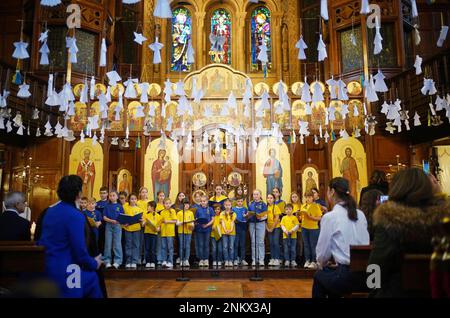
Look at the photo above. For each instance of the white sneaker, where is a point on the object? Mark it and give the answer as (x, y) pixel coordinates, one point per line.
(164, 264)
(270, 262)
(200, 263)
(133, 266)
(177, 261)
(312, 265)
(236, 263)
(116, 266)
(186, 263)
(147, 265)
(219, 263)
(307, 263)
(286, 263)
(169, 265)
(294, 263)
(214, 263)
(207, 263)
(276, 262)
(244, 263)
(261, 263)
(128, 266)
(152, 265)
(108, 265)
(229, 264)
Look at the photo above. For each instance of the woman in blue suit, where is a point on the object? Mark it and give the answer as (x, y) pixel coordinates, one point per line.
(67, 259)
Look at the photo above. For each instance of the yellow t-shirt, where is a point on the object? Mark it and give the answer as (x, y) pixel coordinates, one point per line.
(159, 207)
(215, 225)
(188, 216)
(281, 205)
(312, 209)
(296, 207)
(272, 211)
(155, 219)
(168, 229)
(132, 211)
(142, 204)
(228, 221)
(289, 222)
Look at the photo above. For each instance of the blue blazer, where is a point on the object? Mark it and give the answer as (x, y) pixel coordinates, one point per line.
(63, 237)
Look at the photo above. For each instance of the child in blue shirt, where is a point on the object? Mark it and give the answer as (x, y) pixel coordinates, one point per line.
(204, 214)
(94, 216)
(241, 231)
(113, 231)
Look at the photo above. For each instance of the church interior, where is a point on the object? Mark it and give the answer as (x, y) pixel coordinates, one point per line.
(188, 96)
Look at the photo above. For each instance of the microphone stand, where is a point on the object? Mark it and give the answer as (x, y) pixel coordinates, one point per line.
(256, 278)
(183, 252)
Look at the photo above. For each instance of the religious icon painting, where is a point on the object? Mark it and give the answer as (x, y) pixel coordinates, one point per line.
(154, 90)
(124, 181)
(261, 87)
(197, 194)
(354, 88)
(221, 27)
(134, 123)
(79, 120)
(99, 89)
(199, 179)
(77, 90)
(181, 34)
(115, 125)
(296, 88)
(260, 34)
(276, 87)
(310, 179)
(115, 90)
(234, 179)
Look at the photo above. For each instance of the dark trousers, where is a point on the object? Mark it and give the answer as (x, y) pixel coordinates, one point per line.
(150, 247)
(332, 282)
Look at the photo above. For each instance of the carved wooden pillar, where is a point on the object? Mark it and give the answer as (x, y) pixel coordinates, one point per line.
(202, 45)
(242, 59)
(147, 71)
(276, 42)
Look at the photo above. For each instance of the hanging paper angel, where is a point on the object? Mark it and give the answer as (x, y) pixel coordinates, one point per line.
(156, 48)
(130, 91)
(384, 108)
(8, 126)
(48, 129)
(262, 56)
(71, 44)
(324, 9)
(370, 92)
(162, 9)
(414, 11)
(92, 88)
(303, 128)
(24, 91)
(322, 49)
(20, 51)
(342, 90)
(301, 46)
(248, 94)
(365, 8)
(306, 93)
(35, 114)
(344, 110)
(344, 134)
(103, 51)
(331, 112)
(442, 36)
(231, 102)
(440, 103)
(4, 98)
(50, 3)
(317, 92)
(179, 88)
(417, 119)
(167, 90)
(418, 65)
(113, 78)
(308, 109)
(378, 40)
(144, 92)
(380, 85)
(417, 38)
(139, 38)
(332, 87)
(45, 51)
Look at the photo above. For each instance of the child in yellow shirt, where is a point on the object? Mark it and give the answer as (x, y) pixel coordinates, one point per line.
(132, 234)
(227, 218)
(152, 223)
(296, 208)
(185, 225)
(289, 225)
(216, 237)
(278, 201)
(168, 221)
(273, 230)
(311, 215)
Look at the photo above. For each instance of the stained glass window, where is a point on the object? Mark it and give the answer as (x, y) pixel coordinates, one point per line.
(351, 50)
(181, 34)
(221, 26)
(260, 31)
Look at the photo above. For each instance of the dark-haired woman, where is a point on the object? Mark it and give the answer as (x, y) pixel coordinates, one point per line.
(67, 260)
(368, 203)
(343, 226)
(405, 225)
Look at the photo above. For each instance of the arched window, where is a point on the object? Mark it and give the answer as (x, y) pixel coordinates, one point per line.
(221, 26)
(260, 31)
(181, 34)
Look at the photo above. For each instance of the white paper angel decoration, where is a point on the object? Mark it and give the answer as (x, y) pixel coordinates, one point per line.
(442, 36)
(306, 93)
(342, 90)
(365, 8)
(414, 11)
(167, 90)
(324, 9)
(50, 3)
(92, 88)
(113, 78)
(231, 102)
(332, 87)
(262, 55)
(162, 9)
(380, 85)
(190, 53)
(71, 44)
(370, 93)
(139, 38)
(179, 88)
(156, 48)
(144, 92)
(418, 65)
(103, 51)
(317, 92)
(303, 128)
(8, 126)
(265, 104)
(344, 110)
(322, 49)
(378, 40)
(20, 51)
(24, 91)
(130, 91)
(45, 51)
(301, 46)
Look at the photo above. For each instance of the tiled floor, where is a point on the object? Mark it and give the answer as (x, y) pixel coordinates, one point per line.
(145, 288)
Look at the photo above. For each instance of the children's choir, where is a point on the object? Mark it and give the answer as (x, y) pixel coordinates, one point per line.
(219, 227)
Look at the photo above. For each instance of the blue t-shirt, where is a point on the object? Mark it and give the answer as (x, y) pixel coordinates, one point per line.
(240, 211)
(258, 207)
(112, 210)
(206, 215)
(101, 206)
